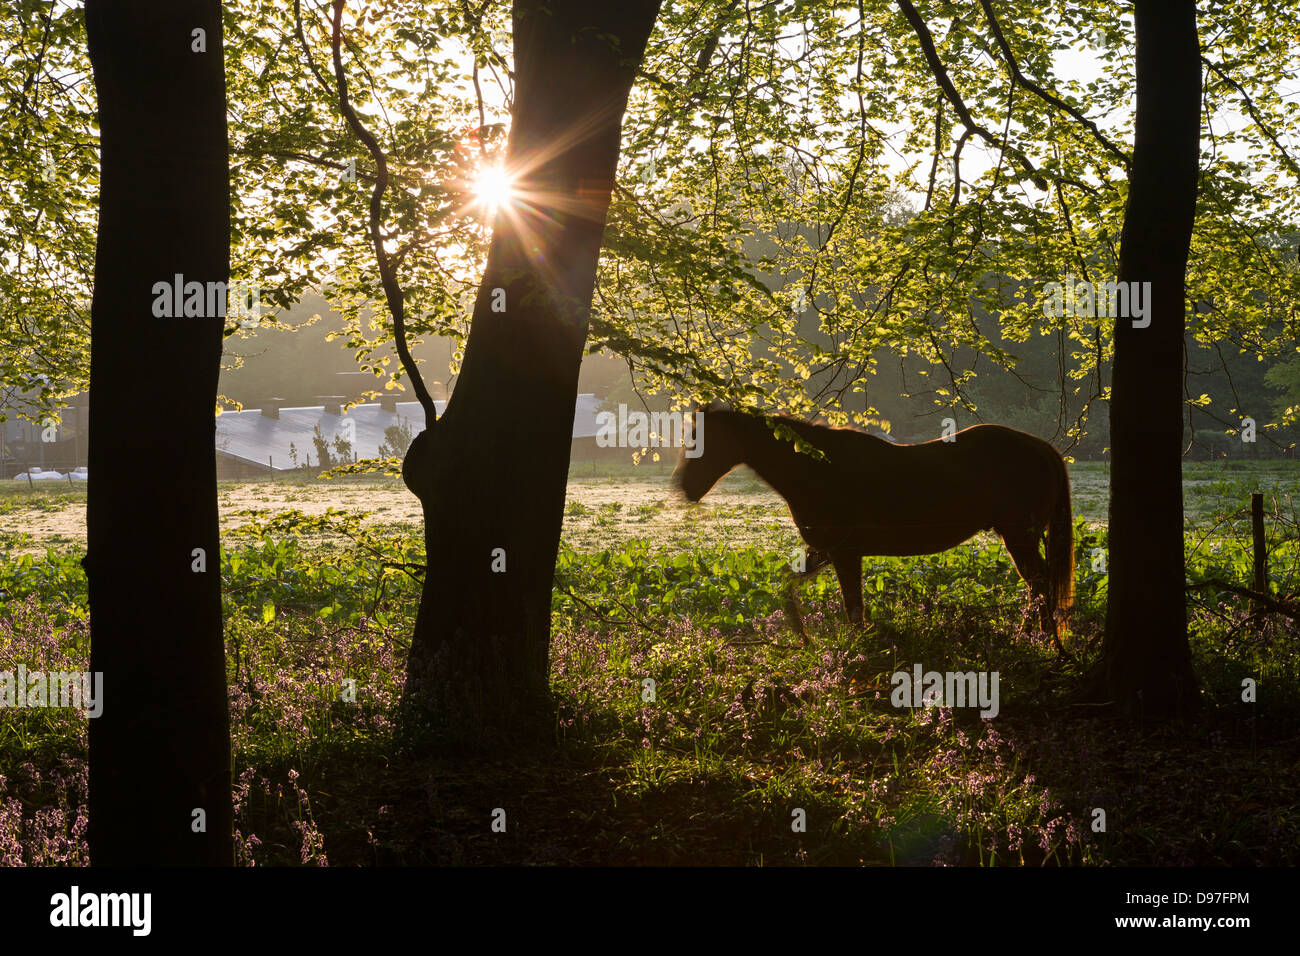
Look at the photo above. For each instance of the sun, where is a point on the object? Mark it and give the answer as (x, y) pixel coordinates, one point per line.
(493, 188)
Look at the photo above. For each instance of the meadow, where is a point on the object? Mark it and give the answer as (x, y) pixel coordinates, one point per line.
(748, 732)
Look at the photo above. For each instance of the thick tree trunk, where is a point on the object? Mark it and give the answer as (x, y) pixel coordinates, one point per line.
(491, 473)
(1146, 665)
(160, 751)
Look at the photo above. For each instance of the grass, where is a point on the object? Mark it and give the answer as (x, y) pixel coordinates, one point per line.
(621, 501)
(744, 735)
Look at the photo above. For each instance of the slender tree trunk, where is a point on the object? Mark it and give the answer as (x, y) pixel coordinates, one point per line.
(1146, 665)
(160, 751)
(491, 473)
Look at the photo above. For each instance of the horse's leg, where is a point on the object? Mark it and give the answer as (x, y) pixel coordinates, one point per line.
(1023, 547)
(848, 568)
(816, 560)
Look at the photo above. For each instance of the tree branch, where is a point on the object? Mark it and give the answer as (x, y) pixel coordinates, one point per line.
(1271, 603)
(387, 274)
(1046, 95)
(1254, 113)
(945, 83)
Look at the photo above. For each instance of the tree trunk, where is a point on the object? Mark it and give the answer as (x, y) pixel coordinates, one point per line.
(160, 751)
(1145, 666)
(491, 473)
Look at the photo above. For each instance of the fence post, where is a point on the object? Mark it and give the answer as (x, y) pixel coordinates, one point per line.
(1257, 532)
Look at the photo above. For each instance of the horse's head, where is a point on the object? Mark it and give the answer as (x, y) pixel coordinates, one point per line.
(715, 452)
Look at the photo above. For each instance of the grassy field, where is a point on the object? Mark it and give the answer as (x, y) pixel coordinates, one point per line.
(619, 504)
(746, 727)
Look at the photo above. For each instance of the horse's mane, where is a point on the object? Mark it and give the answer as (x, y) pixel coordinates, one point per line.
(829, 438)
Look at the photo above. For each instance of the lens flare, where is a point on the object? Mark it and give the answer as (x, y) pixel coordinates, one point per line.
(493, 188)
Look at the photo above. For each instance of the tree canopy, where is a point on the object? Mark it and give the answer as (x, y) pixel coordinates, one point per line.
(808, 192)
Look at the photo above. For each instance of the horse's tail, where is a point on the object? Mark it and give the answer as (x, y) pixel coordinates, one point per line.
(1060, 543)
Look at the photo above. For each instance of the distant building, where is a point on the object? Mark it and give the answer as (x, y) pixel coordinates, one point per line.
(53, 447)
(266, 440)
(257, 441)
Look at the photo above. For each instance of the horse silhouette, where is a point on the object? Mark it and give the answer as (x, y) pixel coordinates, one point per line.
(862, 495)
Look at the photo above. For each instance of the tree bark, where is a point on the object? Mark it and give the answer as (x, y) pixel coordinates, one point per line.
(1145, 667)
(161, 748)
(491, 473)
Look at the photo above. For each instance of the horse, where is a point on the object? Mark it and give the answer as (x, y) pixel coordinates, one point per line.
(863, 495)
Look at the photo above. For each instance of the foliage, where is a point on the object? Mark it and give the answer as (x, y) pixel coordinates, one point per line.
(49, 151)
(802, 220)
